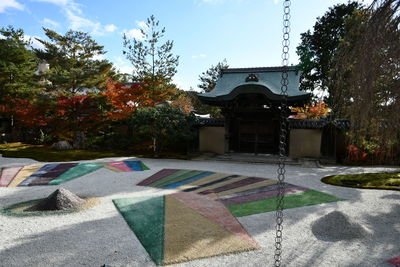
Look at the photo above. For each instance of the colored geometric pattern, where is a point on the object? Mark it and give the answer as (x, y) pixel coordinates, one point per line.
(242, 195)
(199, 221)
(394, 261)
(184, 226)
(58, 173)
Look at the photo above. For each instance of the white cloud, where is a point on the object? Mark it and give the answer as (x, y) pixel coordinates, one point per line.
(122, 65)
(125, 69)
(199, 56)
(180, 83)
(80, 23)
(65, 4)
(141, 24)
(50, 22)
(99, 57)
(56, 2)
(110, 28)
(76, 19)
(7, 4)
(35, 43)
(134, 33)
(121, 61)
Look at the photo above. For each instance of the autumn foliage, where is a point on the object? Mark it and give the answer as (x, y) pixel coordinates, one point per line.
(61, 114)
(314, 111)
(28, 113)
(126, 98)
(122, 98)
(73, 113)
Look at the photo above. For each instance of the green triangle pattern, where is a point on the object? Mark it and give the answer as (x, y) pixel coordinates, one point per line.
(75, 172)
(145, 217)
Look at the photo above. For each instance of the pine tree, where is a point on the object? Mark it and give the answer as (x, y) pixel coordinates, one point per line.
(73, 80)
(73, 64)
(151, 59)
(17, 65)
(209, 79)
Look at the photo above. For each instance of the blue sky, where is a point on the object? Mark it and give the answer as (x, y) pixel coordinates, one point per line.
(247, 33)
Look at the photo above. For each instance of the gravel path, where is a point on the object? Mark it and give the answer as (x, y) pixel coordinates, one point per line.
(100, 235)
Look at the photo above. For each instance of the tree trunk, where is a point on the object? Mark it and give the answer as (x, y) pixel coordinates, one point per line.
(79, 140)
(155, 148)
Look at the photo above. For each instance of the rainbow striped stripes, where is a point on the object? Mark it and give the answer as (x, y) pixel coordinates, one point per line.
(58, 173)
(199, 220)
(242, 195)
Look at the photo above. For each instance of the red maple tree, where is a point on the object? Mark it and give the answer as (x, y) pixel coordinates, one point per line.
(125, 98)
(27, 113)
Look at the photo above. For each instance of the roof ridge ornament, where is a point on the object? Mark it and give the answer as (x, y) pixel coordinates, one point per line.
(252, 78)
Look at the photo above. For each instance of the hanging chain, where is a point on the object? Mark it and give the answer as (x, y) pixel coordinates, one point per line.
(283, 135)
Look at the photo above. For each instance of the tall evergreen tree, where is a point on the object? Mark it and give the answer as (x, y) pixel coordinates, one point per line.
(73, 80)
(151, 59)
(18, 65)
(73, 64)
(318, 47)
(208, 79)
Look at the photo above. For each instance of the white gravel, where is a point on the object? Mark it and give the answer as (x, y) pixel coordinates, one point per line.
(100, 235)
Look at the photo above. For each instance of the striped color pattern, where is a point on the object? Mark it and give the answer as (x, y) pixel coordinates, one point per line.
(58, 173)
(184, 226)
(242, 195)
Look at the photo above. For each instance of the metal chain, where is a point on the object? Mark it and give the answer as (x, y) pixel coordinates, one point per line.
(283, 134)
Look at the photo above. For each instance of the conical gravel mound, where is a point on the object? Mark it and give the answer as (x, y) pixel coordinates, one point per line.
(61, 199)
(337, 226)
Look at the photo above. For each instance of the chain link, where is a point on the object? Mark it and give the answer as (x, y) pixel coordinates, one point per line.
(283, 135)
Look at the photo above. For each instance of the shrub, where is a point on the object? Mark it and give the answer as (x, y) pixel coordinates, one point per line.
(167, 127)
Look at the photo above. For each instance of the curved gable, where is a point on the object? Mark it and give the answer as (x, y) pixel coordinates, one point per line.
(265, 81)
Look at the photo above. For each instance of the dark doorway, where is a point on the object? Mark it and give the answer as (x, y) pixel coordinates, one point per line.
(254, 133)
(257, 137)
(253, 123)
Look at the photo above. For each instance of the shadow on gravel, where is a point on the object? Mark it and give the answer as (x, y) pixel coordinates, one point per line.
(392, 196)
(373, 249)
(90, 243)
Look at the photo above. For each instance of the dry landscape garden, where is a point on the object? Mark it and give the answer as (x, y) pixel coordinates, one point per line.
(264, 166)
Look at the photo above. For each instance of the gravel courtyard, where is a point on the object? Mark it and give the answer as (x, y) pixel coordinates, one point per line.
(100, 235)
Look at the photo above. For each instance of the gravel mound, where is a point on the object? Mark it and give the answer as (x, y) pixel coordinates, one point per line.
(337, 226)
(61, 199)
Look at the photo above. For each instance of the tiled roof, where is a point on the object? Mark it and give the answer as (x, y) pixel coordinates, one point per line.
(318, 124)
(259, 69)
(265, 80)
(210, 121)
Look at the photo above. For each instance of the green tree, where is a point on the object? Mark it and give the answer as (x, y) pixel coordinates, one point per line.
(150, 58)
(209, 78)
(75, 77)
(201, 108)
(73, 64)
(365, 78)
(18, 65)
(165, 126)
(317, 48)
(19, 92)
